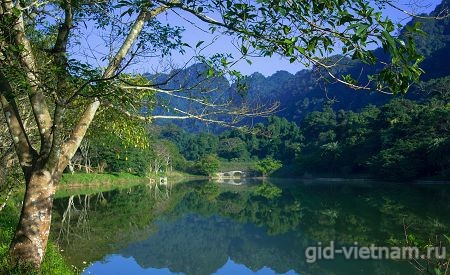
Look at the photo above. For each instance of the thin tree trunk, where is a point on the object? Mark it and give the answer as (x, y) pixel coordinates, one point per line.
(32, 233)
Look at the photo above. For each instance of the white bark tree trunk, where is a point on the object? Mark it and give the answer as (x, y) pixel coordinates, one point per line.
(32, 233)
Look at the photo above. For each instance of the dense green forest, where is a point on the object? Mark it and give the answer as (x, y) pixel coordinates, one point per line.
(400, 140)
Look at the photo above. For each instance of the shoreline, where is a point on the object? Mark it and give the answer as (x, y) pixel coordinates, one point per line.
(95, 180)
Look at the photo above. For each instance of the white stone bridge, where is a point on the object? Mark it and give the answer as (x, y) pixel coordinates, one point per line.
(230, 175)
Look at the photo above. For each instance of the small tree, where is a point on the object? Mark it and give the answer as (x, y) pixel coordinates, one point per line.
(207, 165)
(268, 165)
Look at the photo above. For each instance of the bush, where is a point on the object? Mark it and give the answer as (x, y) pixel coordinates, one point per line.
(268, 165)
(207, 165)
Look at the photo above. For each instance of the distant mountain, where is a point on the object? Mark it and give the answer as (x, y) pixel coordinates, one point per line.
(190, 82)
(304, 91)
(435, 45)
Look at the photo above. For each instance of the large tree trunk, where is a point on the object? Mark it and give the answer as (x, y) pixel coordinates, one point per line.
(32, 232)
(30, 240)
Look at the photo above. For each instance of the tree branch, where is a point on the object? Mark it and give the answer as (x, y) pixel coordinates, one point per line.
(77, 135)
(143, 17)
(28, 61)
(71, 145)
(24, 150)
(442, 14)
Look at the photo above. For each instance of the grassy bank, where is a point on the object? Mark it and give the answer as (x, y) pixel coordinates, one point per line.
(83, 179)
(53, 261)
(82, 183)
(177, 176)
(94, 178)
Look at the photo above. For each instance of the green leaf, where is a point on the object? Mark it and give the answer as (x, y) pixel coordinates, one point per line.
(362, 30)
(244, 50)
(199, 44)
(447, 237)
(210, 72)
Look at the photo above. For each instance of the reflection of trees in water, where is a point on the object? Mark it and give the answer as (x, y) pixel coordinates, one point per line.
(161, 191)
(81, 215)
(196, 244)
(342, 213)
(87, 227)
(246, 224)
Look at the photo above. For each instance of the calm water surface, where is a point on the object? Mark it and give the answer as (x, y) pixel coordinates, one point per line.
(257, 228)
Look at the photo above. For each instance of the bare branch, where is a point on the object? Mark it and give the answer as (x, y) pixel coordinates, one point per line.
(143, 17)
(174, 94)
(442, 14)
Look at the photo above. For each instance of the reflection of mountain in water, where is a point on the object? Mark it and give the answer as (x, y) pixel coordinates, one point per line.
(201, 245)
(196, 244)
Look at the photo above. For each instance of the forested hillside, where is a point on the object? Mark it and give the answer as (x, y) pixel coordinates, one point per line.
(308, 90)
(325, 128)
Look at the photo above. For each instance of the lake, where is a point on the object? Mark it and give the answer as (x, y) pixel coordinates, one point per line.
(251, 228)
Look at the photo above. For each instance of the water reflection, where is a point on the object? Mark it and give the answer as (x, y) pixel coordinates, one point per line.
(79, 213)
(205, 227)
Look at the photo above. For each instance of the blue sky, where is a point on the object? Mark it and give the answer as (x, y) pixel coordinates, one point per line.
(223, 44)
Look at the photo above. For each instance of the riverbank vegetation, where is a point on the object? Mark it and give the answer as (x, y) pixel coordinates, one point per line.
(100, 179)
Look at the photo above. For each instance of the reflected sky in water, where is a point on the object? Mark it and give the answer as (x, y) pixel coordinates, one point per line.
(205, 228)
(116, 264)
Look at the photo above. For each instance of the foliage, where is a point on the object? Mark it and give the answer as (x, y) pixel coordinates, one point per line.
(207, 165)
(399, 140)
(233, 148)
(108, 152)
(118, 156)
(268, 191)
(268, 165)
(279, 138)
